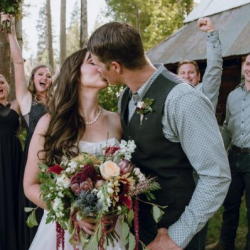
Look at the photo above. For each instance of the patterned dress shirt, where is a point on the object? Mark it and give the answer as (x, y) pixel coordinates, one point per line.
(211, 79)
(236, 128)
(189, 119)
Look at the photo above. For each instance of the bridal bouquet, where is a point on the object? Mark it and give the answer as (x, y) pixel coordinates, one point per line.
(13, 7)
(97, 188)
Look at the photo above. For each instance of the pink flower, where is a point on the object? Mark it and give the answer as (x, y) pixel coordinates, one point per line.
(125, 166)
(56, 169)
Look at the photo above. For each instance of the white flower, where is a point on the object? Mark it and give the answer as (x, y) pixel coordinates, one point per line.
(110, 190)
(63, 181)
(58, 207)
(60, 194)
(137, 171)
(142, 177)
(73, 164)
(141, 105)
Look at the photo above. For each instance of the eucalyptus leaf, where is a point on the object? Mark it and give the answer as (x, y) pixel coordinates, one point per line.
(42, 166)
(130, 217)
(31, 220)
(124, 232)
(29, 209)
(157, 213)
(131, 242)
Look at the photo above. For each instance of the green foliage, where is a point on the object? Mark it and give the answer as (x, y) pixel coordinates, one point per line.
(108, 98)
(22, 136)
(11, 7)
(31, 220)
(154, 19)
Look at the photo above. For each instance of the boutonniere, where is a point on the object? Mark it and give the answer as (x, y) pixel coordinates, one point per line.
(144, 107)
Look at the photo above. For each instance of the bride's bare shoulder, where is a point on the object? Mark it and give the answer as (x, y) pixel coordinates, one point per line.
(114, 122)
(112, 117)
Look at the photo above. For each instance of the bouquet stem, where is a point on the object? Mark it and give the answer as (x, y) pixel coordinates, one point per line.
(136, 223)
(59, 236)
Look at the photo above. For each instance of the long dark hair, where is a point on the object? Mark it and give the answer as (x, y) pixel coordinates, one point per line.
(66, 125)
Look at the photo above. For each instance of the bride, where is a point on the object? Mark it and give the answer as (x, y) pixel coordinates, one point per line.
(74, 123)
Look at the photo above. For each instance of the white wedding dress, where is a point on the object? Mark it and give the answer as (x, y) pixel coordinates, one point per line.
(45, 238)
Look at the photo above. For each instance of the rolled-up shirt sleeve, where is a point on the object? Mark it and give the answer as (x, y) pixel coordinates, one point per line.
(211, 80)
(189, 120)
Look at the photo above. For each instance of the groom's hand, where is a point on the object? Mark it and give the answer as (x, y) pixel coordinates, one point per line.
(163, 242)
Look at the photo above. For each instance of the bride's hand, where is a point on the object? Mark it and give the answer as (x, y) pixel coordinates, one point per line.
(88, 225)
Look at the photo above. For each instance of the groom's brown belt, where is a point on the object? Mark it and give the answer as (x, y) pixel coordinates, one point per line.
(241, 150)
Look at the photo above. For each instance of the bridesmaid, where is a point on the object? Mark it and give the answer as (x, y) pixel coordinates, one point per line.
(32, 101)
(10, 164)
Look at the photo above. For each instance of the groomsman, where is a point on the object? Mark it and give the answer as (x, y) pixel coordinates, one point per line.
(178, 136)
(211, 80)
(236, 137)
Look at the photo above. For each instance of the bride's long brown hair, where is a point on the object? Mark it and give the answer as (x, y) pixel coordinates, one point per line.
(66, 125)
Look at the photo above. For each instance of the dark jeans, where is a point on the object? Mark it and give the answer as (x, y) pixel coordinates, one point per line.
(199, 240)
(240, 171)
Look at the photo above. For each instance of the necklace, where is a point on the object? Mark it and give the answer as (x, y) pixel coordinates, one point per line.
(96, 118)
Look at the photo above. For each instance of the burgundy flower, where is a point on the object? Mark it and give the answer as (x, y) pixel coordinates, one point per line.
(126, 200)
(56, 169)
(88, 171)
(111, 150)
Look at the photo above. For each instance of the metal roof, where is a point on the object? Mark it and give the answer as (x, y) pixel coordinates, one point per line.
(211, 7)
(189, 43)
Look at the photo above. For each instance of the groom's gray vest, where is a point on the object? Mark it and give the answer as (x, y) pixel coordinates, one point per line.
(157, 156)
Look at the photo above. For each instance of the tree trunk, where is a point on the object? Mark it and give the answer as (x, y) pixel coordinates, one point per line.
(49, 36)
(63, 32)
(19, 36)
(84, 24)
(5, 65)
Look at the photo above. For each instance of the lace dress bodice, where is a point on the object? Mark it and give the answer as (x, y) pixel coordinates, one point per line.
(96, 148)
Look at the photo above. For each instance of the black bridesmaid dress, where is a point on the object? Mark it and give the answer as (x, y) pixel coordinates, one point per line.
(27, 234)
(10, 165)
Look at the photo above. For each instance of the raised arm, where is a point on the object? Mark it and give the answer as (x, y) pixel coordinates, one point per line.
(211, 80)
(23, 96)
(30, 182)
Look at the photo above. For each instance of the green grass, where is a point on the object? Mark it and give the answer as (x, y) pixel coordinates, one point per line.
(215, 223)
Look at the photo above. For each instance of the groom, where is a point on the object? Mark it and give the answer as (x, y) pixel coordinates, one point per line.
(179, 134)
